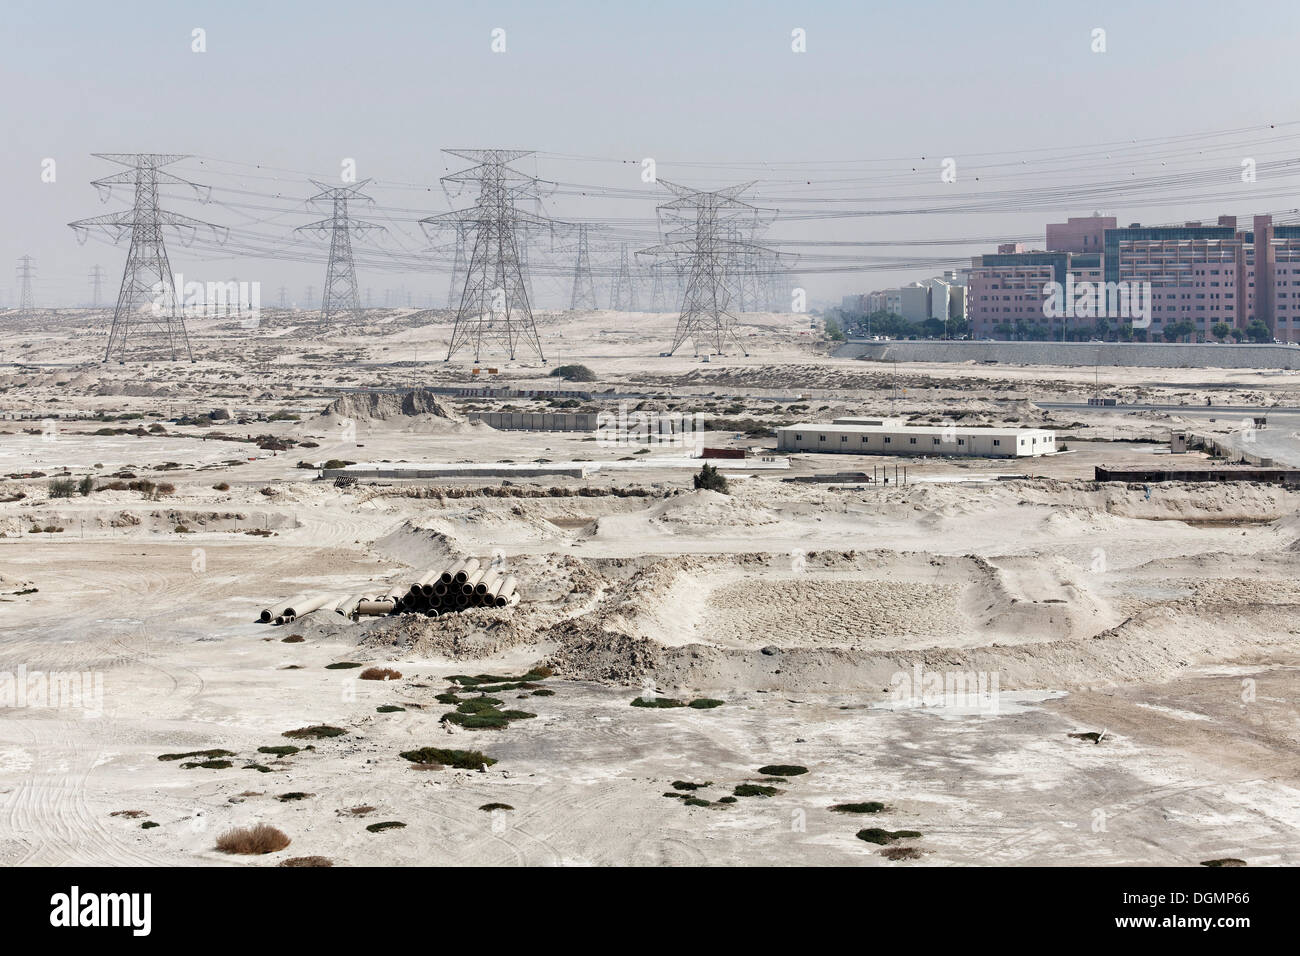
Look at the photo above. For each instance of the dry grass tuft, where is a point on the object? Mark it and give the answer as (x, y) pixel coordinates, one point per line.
(307, 861)
(261, 838)
(380, 673)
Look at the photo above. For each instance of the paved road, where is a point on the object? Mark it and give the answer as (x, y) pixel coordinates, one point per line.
(1279, 439)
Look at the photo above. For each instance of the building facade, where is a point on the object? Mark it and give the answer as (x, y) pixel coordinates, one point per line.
(1209, 276)
(915, 440)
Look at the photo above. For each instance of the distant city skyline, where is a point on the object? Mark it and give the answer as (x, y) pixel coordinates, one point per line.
(968, 126)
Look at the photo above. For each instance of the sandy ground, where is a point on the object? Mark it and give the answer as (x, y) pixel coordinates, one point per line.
(1163, 618)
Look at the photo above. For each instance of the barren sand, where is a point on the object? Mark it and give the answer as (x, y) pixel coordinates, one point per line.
(1163, 618)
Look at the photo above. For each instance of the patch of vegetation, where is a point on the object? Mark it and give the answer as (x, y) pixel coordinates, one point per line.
(293, 639)
(727, 800)
(223, 486)
(380, 673)
(207, 764)
(573, 373)
(259, 839)
(284, 750)
(901, 853)
(871, 806)
(543, 692)
(1225, 861)
(1091, 737)
(883, 837)
(206, 754)
(129, 814)
(537, 673)
(705, 703)
(149, 825)
(341, 666)
(489, 807)
(460, 759)
(696, 802)
(337, 463)
(656, 702)
(710, 479)
(389, 709)
(317, 732)
(62, 487)
(782, 770)
(306, 861)
(294, 795)
(687, 785)
(386, 825)
(260, 768)
(754, 790)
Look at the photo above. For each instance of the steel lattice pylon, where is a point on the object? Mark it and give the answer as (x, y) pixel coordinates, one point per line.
(340, 297)
(493, 305)
(584, 287)
(622, 297)
(703, 244)
(26, 272)
(147, 277)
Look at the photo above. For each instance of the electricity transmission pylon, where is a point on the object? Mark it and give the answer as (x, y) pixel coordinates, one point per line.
(584, 287)
(96, 278)
(26, 272)
(147, 306)
(622, 297)
(658, 302)
(458, 266)
(493, 305)
(340, 298)
(702, 240)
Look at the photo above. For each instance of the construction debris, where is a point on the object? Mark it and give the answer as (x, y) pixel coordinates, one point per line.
(462, 585)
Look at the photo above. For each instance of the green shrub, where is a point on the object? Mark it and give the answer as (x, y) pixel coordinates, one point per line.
(281, 751)
(386, 825)
(753, 790)
(882, 837)
(489, 807)
(705, 703)
(389, 709)
(460, 759)
(573, 373)
(782, 770)
(871, 806)
(62, 487)
(205, 754)
(710, 479)
(656, 702)
(315, 732)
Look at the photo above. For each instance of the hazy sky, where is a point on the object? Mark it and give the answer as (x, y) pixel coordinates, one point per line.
(300, 86)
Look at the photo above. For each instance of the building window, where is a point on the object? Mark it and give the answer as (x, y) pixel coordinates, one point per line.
(886, 439)
(798, 437)
(997, 442)
(844, 438)
(821, 437)
(961, 441)
(911, 441)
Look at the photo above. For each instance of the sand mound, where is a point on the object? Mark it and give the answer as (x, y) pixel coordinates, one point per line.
(386, 406)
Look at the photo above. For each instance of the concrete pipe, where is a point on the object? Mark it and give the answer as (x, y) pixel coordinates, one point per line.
(348, 606)
(471, 582)
(440, 589)
(307, 606)
(471, 565)
(287, 607)
(508, 587)
(488, 583)
(462, 600)
(376, 607)
(450, 574)
(393, 593)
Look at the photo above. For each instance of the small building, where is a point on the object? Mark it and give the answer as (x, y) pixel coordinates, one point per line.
(916, 440)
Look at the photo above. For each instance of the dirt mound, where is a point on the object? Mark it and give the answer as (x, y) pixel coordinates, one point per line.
(386, 406)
